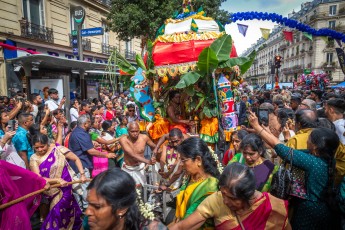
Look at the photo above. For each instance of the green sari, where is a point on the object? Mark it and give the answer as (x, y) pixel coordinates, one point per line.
(119, 153)
(191, 195)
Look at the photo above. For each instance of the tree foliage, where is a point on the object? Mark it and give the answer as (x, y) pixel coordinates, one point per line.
(141, 19)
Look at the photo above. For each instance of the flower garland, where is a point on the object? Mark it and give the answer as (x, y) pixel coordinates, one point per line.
(215, 157)
(145, 209)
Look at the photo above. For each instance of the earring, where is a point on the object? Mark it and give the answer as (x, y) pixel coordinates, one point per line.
(120, 216)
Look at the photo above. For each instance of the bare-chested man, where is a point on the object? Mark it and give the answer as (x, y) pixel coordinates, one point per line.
(174, 112)
(133, 147)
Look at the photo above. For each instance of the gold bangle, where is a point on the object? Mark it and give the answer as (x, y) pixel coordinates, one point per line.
(261, 131)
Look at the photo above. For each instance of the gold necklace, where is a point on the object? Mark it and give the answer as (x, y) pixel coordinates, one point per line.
(258, 162)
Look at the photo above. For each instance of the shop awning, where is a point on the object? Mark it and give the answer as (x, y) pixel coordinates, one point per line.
(51, 62)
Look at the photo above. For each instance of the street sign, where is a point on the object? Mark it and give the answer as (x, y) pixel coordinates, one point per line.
(79, 14)
(75, 42)
(92, 31)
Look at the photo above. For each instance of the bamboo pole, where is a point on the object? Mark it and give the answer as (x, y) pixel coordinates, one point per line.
(20, 199)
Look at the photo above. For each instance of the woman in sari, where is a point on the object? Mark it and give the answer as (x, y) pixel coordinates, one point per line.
(16, 182)
(238, 205)
(202, 177)
(253, 150)
(234, 151)
(313, 212)
(120, 131)
(49, 161)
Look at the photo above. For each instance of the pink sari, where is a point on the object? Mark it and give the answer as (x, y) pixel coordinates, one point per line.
(14, 183)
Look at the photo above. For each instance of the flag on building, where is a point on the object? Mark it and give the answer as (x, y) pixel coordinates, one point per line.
(339, 42)
(341, 58)
(307, 35)
(194, 26)
(242, 29)
(265, 33)
(288, 35)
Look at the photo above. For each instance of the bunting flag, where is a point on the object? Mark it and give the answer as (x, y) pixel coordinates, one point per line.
(307, 35)
(220, 25)
(339, 43)
(288, 35)
(194, 26)
(324, 38)
(242, 29)
(265, 33)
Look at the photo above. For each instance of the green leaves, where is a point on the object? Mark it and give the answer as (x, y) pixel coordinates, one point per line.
(140, 62)
(207, 61)
(247, 64)
(222, 48)
(243, 62)
(122, 63)
(188, 79)
(210, 112)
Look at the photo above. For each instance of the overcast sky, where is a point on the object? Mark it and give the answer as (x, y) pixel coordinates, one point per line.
(283, 7)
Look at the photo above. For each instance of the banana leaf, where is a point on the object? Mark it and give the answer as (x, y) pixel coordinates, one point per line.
(243, 62)
(207, 61)
(188, 79)
(140, 62)
(222, 48)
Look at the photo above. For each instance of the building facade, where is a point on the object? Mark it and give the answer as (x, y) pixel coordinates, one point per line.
(313, 54)
(44, 26)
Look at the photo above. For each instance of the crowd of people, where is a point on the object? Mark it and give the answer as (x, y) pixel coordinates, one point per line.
(101, 144)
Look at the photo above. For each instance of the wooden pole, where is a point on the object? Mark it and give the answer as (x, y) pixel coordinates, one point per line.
(20, 199)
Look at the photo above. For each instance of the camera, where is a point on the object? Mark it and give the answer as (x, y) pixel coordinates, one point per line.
(12, 125)
(263, 116)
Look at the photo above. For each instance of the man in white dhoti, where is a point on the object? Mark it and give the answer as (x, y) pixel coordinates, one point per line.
(133, 147)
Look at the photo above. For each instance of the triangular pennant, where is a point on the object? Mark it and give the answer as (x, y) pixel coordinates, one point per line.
(220, 25)
(265, 33)
(288, 35)
(324, 38)
(307, 35)
(160, 31)
(242, 29)
(194, 26)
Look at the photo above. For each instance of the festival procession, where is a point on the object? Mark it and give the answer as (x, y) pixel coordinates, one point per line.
(196, 129)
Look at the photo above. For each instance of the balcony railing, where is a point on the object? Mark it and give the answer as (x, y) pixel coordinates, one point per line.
(130, 55)
(107, 49)
(37, 32)
(86, 43)
(104, 2)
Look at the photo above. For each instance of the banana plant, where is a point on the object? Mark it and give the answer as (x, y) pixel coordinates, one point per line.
(216, 56)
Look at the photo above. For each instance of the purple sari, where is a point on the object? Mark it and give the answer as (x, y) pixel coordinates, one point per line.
(14, 183)
(64, 209)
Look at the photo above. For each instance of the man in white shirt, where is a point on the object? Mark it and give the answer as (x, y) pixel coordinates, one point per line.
(53, 103)
(334, 109)
(36, 101)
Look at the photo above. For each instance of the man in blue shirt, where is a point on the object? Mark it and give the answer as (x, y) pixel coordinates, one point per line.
(80, 144)
(20, 140)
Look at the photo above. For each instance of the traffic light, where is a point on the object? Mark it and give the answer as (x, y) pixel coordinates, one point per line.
(277, 60)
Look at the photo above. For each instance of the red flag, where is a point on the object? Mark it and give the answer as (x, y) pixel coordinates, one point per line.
(288, 35)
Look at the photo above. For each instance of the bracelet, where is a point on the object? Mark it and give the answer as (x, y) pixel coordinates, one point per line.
(261, 131)
(82, 173)
(4, 143)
